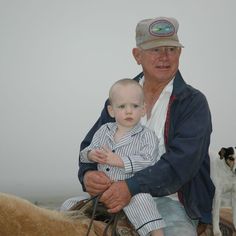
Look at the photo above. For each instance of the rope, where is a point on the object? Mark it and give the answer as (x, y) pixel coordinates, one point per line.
(94, 211)
(112, 222)
(114, 227)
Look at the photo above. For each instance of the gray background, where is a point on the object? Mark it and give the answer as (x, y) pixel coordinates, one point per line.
(58, 60)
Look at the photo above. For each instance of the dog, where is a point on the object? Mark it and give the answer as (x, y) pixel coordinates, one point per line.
(223, 175)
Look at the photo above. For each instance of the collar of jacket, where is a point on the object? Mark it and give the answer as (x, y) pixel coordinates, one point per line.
(178, 86)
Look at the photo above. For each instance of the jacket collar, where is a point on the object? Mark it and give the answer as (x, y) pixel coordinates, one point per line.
(178, 86)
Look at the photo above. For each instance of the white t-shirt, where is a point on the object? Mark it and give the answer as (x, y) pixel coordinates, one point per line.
(157, 119)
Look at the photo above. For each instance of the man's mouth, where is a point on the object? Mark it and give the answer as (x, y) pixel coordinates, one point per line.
(163, 67)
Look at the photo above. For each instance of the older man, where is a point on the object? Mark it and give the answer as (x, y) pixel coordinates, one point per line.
(180, 116)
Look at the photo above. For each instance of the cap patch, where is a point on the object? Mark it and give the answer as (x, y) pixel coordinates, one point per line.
(162, 28)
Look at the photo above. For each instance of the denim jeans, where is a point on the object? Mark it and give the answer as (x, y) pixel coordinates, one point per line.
(175, 217)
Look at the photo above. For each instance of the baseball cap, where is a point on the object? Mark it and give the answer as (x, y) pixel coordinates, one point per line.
(157, 32)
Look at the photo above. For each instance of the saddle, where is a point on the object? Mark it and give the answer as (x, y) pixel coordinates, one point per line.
(108, 224)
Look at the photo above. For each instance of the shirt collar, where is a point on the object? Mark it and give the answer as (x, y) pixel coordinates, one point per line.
(112, 126)
(168, 88)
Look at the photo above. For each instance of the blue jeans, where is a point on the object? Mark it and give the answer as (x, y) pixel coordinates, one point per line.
(175, 217)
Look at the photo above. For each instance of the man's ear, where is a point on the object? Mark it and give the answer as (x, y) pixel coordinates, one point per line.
(137, 55)
(110, 111)
(180, 50)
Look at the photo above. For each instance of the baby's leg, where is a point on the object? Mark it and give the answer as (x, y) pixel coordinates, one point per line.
(143, 214)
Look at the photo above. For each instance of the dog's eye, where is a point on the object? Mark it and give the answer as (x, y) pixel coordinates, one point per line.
(231, 158)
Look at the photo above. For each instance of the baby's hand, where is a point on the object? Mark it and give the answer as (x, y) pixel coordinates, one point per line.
(111, 158)
(96, 155)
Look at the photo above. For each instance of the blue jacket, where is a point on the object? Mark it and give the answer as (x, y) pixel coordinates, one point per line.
(185, 167)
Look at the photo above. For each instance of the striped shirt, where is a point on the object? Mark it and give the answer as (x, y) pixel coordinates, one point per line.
(138, 150)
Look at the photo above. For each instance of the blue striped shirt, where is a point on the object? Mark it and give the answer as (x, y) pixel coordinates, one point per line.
(138, 149)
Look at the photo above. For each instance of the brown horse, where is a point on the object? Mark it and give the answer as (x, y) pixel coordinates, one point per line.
(19, 217)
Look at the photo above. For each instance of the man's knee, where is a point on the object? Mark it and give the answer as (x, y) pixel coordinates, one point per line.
(180, 228)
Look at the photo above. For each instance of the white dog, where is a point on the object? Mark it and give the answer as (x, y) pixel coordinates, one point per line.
(223, 174)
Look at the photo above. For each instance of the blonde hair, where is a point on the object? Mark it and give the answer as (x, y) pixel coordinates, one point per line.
(125, 82)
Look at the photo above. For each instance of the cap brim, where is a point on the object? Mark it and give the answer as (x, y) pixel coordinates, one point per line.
(159, 43)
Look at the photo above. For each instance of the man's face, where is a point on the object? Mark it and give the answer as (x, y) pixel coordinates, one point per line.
(159, 63)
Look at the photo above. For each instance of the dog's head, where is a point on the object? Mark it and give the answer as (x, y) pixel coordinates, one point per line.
(229, 155)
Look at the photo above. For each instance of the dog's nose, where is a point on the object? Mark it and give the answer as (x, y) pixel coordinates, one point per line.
(234, 169)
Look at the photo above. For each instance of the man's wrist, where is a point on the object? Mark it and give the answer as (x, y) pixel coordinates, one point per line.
(84, 168)
(133, 186)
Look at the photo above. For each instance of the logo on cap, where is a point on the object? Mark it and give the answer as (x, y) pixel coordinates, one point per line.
(162, 28)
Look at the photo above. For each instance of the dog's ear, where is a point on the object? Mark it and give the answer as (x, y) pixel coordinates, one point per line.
(222, 153)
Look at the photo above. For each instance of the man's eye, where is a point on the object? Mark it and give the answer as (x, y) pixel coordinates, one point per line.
(171, 49)
(156, 50)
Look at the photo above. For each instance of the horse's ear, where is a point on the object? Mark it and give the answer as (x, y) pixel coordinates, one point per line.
(222, 153)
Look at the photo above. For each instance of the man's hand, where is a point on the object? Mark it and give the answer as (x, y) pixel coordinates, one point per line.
(96, 182)
(116, 197)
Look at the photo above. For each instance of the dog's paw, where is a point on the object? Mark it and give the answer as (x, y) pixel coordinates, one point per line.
(216, 230)
(217, 233)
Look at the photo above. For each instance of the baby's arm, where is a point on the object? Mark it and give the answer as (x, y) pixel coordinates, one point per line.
(94, 145)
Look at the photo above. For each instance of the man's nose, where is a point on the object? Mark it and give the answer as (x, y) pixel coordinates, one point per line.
(163, 53)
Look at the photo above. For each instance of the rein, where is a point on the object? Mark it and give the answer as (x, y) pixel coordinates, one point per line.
(94, 211)
(112, 221)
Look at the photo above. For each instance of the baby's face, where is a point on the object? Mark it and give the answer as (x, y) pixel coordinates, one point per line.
(127, 105)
